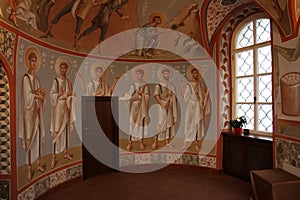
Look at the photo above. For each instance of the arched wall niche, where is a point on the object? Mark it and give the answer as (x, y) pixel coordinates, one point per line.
(222, 44)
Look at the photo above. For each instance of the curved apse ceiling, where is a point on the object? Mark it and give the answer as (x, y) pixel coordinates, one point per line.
(37, 18)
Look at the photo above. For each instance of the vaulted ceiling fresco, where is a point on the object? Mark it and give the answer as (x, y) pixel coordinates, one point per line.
(80, 25)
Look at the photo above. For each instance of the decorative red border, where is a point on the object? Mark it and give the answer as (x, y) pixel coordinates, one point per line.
(165, 152)
(12, 100)
(48, 174)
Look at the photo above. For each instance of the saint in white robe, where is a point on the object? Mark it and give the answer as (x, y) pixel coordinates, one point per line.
(138, 109)
(167, 117)
(198, 107)
(63, 113)
(31, 123)
(98, 88)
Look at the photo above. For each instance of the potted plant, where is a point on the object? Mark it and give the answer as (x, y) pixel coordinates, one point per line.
(238, 124)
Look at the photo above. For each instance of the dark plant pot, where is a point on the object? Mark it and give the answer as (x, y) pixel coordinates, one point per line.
(238, 131)
(246, 131)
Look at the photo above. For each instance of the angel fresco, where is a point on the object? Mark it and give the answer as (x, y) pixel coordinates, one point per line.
(13, 8)
(146, 38)
(101, 20)
(99, 15)
(43, 9)
(65, 10)
(21, 9)
(80, 9)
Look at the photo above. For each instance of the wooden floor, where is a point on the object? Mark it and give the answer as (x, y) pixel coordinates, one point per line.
(172, 182)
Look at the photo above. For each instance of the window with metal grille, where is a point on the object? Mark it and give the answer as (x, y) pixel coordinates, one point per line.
(252, 74)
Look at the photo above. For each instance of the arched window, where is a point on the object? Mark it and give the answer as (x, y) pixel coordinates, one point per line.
(252, 74)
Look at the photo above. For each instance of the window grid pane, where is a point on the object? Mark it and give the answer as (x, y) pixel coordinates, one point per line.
(245, 89)
(265, 118)
(246, 110)
(254, 79)
(264, 59)
(265, 88)
(244, 63)
(245, 37)
(263, 31)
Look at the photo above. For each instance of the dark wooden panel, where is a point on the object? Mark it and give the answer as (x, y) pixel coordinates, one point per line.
(99, 120)
(241, 154)
(259, 156)
(233, 155)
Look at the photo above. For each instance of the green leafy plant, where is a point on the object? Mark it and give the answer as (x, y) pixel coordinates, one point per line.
(238, 122)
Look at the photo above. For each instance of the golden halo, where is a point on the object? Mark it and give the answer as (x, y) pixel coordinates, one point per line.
(161, 15)
(93, 68)
(189, 71)
(159, 72)
(34, 50)
(133, 72)
(58, 61)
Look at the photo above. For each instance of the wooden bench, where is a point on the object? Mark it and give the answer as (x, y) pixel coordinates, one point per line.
(274, 184)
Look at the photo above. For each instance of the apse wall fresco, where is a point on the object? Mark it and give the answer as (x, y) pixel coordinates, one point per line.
(35, 157)
(48, 63)
(287, 122)
(282, 15)
(36, 163)
(151, 148)
(297, 6)
(286, 60)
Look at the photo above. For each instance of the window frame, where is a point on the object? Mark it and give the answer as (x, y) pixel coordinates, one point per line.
(254, 47)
